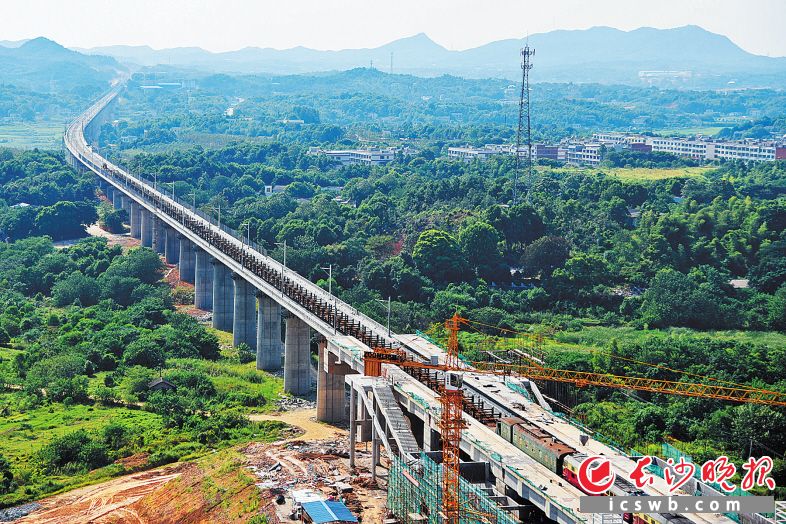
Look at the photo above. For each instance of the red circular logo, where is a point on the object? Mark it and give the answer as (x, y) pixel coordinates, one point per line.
(595, 475)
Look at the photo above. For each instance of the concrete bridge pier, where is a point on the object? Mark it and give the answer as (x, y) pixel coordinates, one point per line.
(146, 227)
(331, 396)
(125, 203)
(108, 191)
(268, 333)
(223, 297)
(172, 245)
(353, 424)
(244, 323)
(203, 280)
(364, 421)
(297, 357)
(134, 219)
(159, 237)
(187, 260)
(117, 199)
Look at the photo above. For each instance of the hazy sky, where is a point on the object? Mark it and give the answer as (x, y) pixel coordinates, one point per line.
(221, 25)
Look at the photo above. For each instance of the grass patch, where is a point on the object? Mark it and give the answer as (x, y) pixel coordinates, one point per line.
(634, 174)
(638, 174)
(234, 378)
(22, 434)
(691, 131)
(601, 336)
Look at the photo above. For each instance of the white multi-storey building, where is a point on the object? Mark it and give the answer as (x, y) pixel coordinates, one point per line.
(468, 154)
(707, 149)
(619, 139)
(583, 154)
(372, 157)
(696, 149)
(539, 151)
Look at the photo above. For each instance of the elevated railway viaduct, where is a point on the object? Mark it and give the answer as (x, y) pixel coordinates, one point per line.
(250, 294)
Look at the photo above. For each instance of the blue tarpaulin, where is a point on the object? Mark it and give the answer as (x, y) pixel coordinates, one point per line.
(325, 511)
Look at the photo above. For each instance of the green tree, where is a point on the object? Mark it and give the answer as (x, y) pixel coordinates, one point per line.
(479, 243)
(544, 255)
(677, 299)
(112, 219)
(438, 256)
(147, 351)
(776, 309)
(71, 453)
(141, 263)
(65, 220)
(76, 287)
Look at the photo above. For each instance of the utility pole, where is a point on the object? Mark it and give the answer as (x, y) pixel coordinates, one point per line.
(283, 264)
(388, 303)
(247, 225)
(329, 271)
(526, 65)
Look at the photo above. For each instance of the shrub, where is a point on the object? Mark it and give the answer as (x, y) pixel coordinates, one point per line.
(169, 455)
(183, 295)
(245, 354)
(105, 395)
(71, 453)
(116, 436)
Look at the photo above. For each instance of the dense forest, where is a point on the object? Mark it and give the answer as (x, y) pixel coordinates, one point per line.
(84, 330)
(435, 235)
(340, 108)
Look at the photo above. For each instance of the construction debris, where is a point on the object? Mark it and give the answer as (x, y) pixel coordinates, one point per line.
(290, 473)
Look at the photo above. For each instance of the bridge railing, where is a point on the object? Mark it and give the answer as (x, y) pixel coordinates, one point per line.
(77, 143)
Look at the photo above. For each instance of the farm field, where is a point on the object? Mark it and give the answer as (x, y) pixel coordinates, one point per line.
(41, 135)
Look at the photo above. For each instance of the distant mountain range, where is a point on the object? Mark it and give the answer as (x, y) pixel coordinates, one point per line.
(43, 65)
(685, 57)
(599, 54)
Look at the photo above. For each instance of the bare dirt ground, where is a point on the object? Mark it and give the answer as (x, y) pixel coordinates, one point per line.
(305, 419)
(102, 502)
(125, 240)
(316, 459)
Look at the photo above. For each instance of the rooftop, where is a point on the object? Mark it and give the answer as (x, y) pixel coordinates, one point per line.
(325, 511)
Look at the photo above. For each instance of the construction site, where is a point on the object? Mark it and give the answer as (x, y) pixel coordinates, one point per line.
(433, 433)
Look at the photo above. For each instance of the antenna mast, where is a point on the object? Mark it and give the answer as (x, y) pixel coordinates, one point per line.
(526, 65)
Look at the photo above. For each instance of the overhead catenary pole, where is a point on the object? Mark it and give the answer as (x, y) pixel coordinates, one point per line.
(283, 263)
(388, 303)
(329, 271)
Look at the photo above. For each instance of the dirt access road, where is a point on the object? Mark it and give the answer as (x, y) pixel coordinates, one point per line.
(103, 502)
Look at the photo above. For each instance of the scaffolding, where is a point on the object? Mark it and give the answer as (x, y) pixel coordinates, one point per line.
(415, 496)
